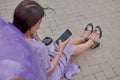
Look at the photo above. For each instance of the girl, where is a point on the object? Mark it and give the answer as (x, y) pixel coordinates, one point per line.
(28, 17)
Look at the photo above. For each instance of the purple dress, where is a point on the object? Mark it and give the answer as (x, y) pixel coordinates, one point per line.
(17, 59)
(64, 66)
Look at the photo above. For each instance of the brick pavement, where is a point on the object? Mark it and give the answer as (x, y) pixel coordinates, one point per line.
(102, 63)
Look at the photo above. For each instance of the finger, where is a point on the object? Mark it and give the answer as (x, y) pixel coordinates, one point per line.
(60, 41)
(67, 40)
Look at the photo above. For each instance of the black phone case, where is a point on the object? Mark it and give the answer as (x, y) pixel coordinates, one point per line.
(64, 36)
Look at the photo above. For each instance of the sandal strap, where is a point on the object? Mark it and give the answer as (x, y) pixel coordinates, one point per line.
(93, 40)
(98, 32)
(96, 43)
(86, 39)
(88, 29)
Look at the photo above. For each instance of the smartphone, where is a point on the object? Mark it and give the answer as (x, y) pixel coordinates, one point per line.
(64, 36)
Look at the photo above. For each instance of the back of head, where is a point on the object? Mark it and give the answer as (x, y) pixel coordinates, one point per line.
(27, 14)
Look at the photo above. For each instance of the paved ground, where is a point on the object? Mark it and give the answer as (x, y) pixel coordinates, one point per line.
(102, 63)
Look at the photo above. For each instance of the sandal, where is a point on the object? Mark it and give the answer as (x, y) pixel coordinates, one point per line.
(89, 27)
(99, 32)
(96, 44)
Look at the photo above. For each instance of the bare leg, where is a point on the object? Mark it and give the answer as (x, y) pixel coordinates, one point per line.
(80, 40)
(77, 41)
(87, 31)
(83, 47)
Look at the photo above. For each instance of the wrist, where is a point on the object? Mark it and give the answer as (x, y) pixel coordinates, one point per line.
(59, 53)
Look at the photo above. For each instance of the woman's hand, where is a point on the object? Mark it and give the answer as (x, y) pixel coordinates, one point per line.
(58, 55)
(62, 45)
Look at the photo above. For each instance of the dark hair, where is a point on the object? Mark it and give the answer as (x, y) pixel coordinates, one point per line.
(27, 14)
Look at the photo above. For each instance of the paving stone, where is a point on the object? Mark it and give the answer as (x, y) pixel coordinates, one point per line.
(116, 78)
(102, 63)
(90, 77)
(117, 71)
(107, 70)
(87, 70)
(100, 76)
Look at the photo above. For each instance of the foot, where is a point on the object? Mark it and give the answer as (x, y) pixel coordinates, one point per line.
(96, 35)
(87, 31)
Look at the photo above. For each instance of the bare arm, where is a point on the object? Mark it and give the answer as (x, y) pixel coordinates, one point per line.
(54, 63)
(57, 57)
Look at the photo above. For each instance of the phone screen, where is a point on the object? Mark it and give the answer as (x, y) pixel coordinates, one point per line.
(64, 36)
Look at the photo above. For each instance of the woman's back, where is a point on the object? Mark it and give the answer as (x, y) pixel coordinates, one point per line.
(17, 59)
